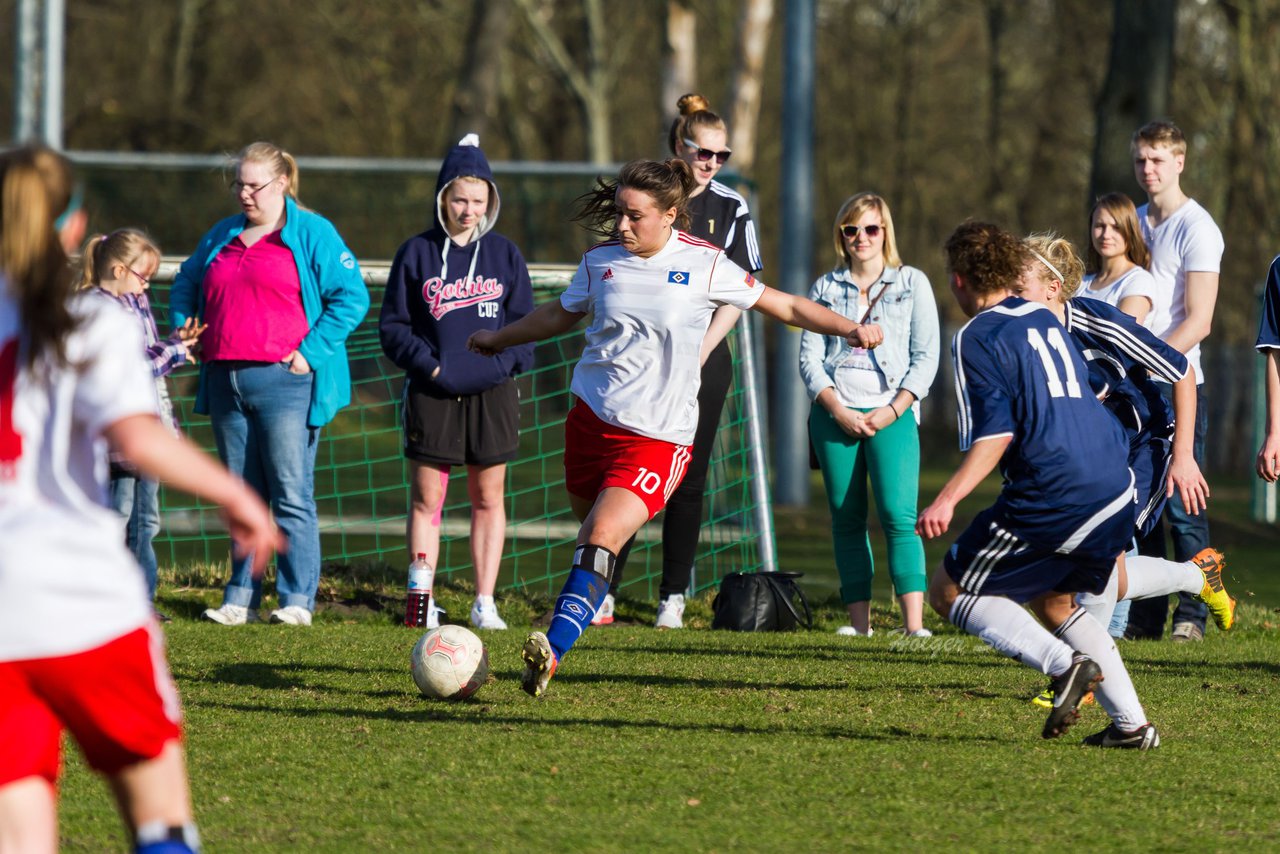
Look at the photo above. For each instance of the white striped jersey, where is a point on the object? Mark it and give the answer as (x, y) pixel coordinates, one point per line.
(67, 582)
(640, 368)
(1123, 356)
(1017, 375)
(719, 215)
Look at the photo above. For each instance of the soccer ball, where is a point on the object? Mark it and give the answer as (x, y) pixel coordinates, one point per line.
(449, 663)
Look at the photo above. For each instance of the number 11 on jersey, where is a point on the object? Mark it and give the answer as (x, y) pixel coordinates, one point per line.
(1057, 342)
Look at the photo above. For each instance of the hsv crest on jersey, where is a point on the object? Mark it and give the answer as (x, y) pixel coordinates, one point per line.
(678, 277)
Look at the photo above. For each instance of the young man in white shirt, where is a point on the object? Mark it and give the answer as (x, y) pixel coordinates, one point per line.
(1186, 254)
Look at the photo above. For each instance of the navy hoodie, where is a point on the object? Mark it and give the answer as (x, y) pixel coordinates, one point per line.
(439, 293)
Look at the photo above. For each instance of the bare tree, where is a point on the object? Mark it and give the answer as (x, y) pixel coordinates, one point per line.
(680, 73)
(748, 76)
(590, 86)
(1136, 89)
(476, 100)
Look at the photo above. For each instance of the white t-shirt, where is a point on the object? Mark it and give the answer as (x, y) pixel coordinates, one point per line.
(639, 369)
(1137, 282)
(1187, 242)
(859, 382)
(67, 582)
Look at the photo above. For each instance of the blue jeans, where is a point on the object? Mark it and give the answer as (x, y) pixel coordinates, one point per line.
(259, 416)
(1190, 535)
(138, 500)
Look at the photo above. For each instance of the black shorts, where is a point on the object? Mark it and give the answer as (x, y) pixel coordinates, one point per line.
(451, 430)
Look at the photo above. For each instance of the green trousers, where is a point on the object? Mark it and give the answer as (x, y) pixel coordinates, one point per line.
(890, 462)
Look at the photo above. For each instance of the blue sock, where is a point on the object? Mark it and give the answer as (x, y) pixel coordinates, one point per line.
(580, 597)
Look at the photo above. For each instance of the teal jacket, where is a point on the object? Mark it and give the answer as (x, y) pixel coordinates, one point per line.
(334, 299)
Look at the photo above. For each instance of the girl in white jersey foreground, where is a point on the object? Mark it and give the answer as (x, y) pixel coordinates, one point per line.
(78, 645)
(651, 292)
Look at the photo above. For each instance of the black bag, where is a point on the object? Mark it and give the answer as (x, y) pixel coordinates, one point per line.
(760, 602)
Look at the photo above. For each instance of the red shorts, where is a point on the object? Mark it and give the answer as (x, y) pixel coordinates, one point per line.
(598, 455)
(117, 700)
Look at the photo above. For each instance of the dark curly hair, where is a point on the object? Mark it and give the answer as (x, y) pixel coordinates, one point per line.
(987, 257)
(668, 182)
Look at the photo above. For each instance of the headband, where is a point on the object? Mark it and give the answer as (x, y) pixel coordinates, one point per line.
(1052, 269)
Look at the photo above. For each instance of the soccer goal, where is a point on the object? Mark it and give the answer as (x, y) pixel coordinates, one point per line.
(361, 477)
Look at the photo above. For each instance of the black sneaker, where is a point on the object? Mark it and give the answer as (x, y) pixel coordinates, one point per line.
(1144, 737)
(1069, 691)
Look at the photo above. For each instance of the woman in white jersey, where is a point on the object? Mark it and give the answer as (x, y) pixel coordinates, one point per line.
(651, 292)
(79, 648)
(1117, 260)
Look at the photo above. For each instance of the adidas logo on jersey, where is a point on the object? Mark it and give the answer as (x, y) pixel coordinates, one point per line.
(608, 274)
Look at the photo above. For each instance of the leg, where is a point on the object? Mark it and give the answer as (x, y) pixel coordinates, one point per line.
(154, 798)
(893, 468)
(1115, 693)
(1147, 616)
(428, 488)
(238, 450)
(144, 524)
(29, 816)
(682, 522)
(487, 487)
(1190, 533)
(30, 755)
(844, 474)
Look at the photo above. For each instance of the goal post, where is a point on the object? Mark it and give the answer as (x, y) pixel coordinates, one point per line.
(361, 484)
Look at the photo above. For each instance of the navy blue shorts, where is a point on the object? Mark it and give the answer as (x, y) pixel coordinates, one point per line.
(1149, 458)
(990, 560)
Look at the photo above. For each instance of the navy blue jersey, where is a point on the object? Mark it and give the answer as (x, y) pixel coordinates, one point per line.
(1066, 469)
(1269, 327)
(1124, 361)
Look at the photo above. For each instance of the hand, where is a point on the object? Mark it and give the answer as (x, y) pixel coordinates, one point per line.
(853, 423)
(868, 336)
(1185, 478)
(252, 530)
(881, 417)
(1268, 465)
(484, 342)
(189, 332)
(298, 363)
(935, 519)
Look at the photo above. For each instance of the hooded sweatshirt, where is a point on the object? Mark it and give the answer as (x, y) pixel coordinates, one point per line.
(438, 293)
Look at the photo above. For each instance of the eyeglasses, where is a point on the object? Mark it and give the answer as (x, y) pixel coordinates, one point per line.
(238, 187)
(146, 282)
(705, 154)
(851, 231)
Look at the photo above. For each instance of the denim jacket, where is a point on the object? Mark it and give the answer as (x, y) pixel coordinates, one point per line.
(334, 299)
(907, 313)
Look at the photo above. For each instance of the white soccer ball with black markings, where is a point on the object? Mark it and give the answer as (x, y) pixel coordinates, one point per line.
(449, 663)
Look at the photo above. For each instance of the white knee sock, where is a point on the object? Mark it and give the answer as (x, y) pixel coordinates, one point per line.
(1115, 692)
(1007, 628)
(1152, 576)
(1101, 605)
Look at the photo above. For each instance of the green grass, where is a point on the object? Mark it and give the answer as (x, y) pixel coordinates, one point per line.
(703, 741)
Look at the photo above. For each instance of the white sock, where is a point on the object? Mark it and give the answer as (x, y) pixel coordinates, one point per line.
(484, 600)
(1007, 628)
(1115, 692)
(1153, 576)
(1101, 605)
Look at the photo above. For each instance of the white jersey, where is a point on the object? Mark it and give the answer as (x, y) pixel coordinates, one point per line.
(67, 582)
(1136, 282)
(1189, 241)
(640, 367)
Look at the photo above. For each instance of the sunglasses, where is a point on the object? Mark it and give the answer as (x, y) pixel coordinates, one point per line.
(851, 231)
(705, 154)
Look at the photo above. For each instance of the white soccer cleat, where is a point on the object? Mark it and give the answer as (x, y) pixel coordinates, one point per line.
(231, 615)
(851, 632)
(604, 614)
(292, 615)
(484, 615)
(671, 612)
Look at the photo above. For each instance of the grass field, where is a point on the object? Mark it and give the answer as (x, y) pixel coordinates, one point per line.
(709, 741)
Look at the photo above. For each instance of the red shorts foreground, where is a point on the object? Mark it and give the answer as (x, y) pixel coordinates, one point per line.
(117, 700)
(598, 455)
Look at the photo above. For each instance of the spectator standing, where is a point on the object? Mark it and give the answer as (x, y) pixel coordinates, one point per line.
(864, 425)
(280, 292)
(1268, 463)
(459, 408)
(1186, 255)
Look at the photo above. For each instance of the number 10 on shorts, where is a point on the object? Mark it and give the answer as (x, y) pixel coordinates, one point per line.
(647, 481)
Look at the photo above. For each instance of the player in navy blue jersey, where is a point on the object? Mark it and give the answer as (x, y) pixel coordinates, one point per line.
(1058, 525)
(1268, 463)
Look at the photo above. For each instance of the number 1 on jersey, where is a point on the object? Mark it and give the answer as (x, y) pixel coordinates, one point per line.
(1057, 342)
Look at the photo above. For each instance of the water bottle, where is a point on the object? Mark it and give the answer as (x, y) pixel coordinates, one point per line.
(418, 601)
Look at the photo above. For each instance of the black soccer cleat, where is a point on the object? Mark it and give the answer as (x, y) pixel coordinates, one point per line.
(1069, 691)
(1144, 737)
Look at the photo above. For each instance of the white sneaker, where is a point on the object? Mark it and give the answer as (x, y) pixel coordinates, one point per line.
(671, 612)
(920, 633)
(851, 632)
(484, 614)
(434, 613)
(230, 615)
(292, 615)
(604, 614)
